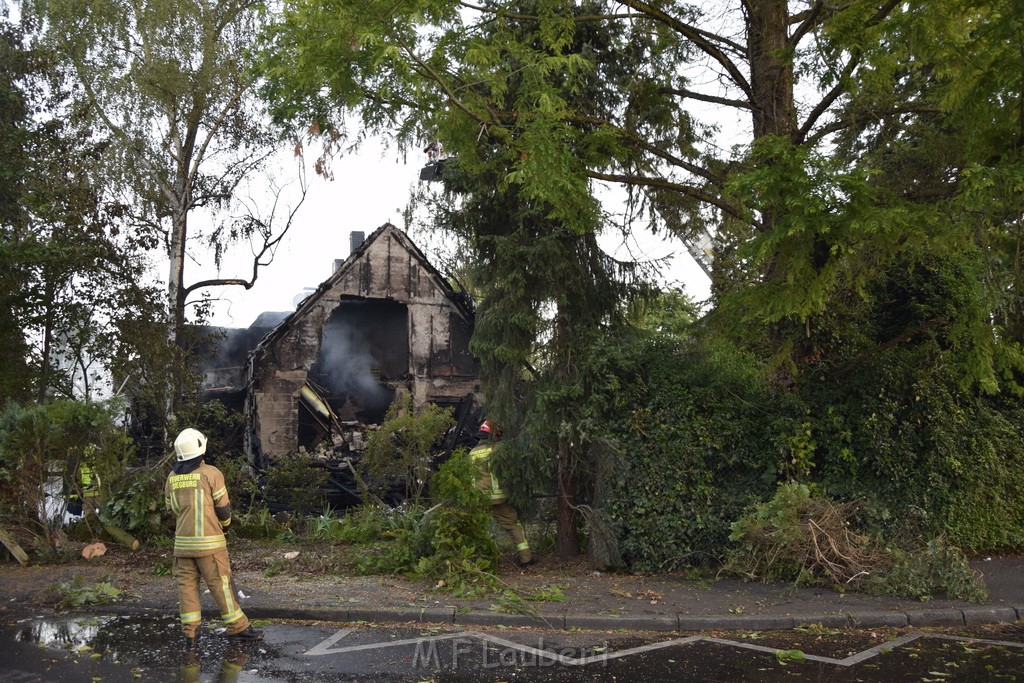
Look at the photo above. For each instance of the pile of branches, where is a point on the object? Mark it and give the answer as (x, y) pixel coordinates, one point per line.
(810, 540)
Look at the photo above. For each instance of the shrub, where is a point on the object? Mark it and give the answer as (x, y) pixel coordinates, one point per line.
(809, 539)
(399, 453)
(42, 444)
(295, 483)
(905, 438)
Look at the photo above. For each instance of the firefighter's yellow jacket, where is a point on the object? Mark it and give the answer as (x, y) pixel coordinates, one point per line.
(199, 499)
(486, 481)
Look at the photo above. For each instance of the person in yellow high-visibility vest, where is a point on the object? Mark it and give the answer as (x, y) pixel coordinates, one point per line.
(196, 493)
(85, 496)
(504, 513)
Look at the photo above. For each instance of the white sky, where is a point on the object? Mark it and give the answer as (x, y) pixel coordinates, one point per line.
(371, 188)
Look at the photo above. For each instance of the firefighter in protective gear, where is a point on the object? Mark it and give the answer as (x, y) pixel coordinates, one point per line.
(503, 512)
(86, 498)
(195, 492)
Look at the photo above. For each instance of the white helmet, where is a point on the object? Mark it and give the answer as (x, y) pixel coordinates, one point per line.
(190, 444)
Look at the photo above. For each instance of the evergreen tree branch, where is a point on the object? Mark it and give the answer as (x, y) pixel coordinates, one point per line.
(904, 337)
(828, 100)
(641, 143)
(682, 92)
(875, 115)
(688, 190)
(699, 38)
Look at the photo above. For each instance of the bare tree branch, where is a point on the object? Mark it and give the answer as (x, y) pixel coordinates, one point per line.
(269, 246)
(682, 92)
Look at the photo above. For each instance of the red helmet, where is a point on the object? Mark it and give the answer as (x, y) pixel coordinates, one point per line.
(488, 429)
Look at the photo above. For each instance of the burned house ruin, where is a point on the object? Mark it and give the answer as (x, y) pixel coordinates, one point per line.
(385, 321)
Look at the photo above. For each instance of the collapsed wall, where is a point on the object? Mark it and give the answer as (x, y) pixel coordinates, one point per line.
(385, 320)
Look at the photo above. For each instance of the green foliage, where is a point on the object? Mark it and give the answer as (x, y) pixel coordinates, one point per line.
(401, 450)
(191, 78)
(869, 314)
(255, 523)
(297, 483)
(895, 423)
(464, 555)
(449, 544)
(77, 593)
(70, 272)
(135, 503)
(785, 657)
(701, 435)
(364, 524)
(937, 568)
(38, 442)
(669, 313)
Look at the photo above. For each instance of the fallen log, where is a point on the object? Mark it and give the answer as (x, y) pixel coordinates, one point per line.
(121, 536)
(13, 546)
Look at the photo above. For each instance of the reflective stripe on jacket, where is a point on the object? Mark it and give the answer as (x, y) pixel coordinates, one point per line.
(90, 481)
(486, 481)
(195, 497)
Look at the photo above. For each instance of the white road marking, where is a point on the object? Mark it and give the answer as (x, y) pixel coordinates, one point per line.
(327, 647)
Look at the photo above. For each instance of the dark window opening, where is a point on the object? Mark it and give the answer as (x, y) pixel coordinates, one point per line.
(312, 428)
(364, 350)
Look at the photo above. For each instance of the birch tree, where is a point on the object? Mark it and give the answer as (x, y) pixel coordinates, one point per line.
(169, 82)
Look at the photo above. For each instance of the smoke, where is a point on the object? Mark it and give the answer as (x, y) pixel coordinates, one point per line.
(345, 367)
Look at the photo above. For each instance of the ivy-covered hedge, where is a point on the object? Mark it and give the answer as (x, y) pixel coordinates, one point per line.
(929, 457)
(702, 438)
(702, 435)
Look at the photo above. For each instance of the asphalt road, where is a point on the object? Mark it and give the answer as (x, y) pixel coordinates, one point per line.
(119, 648)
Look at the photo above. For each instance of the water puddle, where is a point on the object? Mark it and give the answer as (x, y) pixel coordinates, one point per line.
(121, 648)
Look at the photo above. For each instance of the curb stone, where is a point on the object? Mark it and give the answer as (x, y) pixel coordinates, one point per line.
(989, 615)
(735, 623)
(879, 619)
(936, 618)
(556, 621)
(437, 615)
(679, 622)
(608, 623)
(378, 615)
(823, 620)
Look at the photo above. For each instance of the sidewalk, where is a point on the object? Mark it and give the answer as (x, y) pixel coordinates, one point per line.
(592, 600)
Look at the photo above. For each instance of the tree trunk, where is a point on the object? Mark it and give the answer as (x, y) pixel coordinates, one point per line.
(44, 362)
(567, 543)
(176, 293)
(771, 69)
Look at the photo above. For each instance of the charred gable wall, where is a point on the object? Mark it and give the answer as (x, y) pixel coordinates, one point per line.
(384, 320)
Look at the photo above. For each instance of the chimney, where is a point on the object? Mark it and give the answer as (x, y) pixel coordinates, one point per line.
(355, 238)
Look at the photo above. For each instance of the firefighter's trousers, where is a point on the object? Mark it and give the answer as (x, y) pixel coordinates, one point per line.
(216, 572)
(508, 519)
